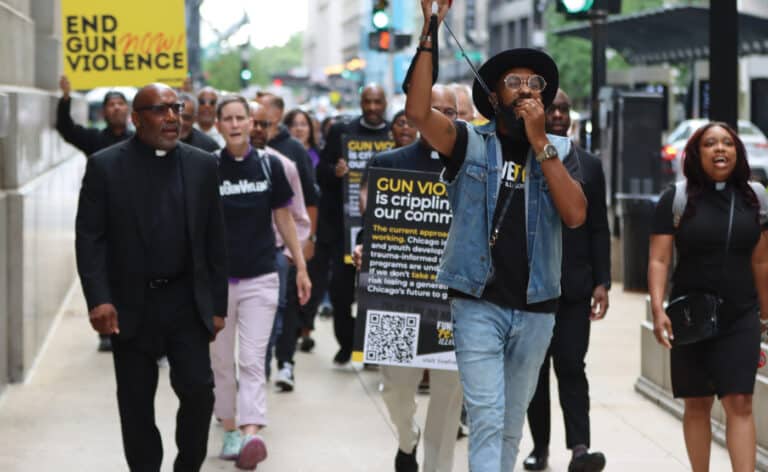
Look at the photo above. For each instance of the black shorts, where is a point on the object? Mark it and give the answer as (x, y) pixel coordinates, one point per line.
(726, 364)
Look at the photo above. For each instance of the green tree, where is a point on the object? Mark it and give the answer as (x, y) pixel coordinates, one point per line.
(223, 69)
(574, 55)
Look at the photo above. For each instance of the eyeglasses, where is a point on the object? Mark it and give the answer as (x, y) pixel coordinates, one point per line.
(563, 109)
(204, 102)
(403, 123)
(162, 109)
(262, 123)
(448, 112)
(533, 82)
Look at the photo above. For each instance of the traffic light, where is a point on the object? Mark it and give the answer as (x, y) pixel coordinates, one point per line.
(380, 40)
(245, 74)
(380, 14)
(576, 6)
(582, 9)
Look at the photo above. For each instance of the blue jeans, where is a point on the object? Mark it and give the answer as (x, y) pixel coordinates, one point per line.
(499, 352)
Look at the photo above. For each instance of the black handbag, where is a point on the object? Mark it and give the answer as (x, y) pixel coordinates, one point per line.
(695, 316)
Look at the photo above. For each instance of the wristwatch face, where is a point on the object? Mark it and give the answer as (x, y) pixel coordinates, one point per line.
(549, 152)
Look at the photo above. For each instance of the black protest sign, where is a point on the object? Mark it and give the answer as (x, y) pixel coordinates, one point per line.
(403, 317)
(358, 150)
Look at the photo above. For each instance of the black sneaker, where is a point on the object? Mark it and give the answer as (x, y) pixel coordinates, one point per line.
(105, 343)
(587, 462)
(306, 344)
(536, 461)
(405, 462)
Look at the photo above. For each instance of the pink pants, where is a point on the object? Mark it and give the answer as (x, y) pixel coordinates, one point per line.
(250, 313)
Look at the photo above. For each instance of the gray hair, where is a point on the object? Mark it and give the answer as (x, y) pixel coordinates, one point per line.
(188, 97)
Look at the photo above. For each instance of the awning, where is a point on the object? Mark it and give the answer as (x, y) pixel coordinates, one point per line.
(671, 34)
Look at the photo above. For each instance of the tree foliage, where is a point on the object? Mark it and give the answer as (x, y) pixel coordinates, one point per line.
(574, 55)
(223, 68)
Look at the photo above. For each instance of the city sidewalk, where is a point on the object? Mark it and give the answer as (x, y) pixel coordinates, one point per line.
(65, 416)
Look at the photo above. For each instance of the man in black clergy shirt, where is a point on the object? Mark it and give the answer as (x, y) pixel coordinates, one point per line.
(330, 231)
(151, 258)
(586, 276)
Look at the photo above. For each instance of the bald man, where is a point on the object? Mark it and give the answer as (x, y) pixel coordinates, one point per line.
(464, 97)
(152, 264)
(331, 169)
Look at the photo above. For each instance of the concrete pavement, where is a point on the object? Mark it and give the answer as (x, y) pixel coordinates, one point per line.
(64, 417)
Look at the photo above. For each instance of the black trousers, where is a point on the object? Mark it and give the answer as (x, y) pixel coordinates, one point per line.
(171, 327)
(342, 294)
(567, 350)
(285, 347)
(318, 269)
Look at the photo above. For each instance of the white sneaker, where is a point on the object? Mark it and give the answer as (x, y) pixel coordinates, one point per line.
(284, 380)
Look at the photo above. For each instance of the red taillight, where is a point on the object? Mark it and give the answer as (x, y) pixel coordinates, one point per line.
(668, 152)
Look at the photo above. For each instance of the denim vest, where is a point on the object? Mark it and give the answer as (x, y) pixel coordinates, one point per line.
(466, 261)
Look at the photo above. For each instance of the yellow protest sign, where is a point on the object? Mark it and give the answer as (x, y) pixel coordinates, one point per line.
(124, 43)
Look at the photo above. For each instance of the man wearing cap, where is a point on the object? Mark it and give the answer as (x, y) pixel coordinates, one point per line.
(89, 140)
(509, 193)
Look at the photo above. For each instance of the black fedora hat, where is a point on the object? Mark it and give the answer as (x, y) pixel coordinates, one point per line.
(539, 61)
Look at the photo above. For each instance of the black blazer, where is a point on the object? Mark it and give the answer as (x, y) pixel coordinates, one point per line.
(587, 249)
(111, 233)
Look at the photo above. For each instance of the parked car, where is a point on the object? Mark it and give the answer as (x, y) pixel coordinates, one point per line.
(672, 151)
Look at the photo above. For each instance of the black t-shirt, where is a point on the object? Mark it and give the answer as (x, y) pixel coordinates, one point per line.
(700, 243)
(330, 225)
(248, 197)
(508, 283)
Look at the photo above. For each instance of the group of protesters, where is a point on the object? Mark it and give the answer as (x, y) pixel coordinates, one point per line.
(218, 218)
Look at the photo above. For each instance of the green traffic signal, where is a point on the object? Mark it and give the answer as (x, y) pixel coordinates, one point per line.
(577, 6)
(380, 16)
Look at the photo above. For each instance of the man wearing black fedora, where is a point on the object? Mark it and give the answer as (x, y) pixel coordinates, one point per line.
(509, 193)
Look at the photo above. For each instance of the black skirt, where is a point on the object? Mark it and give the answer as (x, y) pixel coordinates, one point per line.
(726, 364)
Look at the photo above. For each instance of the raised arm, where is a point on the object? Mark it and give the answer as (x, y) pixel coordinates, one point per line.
(438, 130)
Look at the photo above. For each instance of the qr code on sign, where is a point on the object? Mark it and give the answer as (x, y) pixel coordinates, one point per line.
(391, 337)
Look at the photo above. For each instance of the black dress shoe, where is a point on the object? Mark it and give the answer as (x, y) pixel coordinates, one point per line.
(587, 462)
(536, 461)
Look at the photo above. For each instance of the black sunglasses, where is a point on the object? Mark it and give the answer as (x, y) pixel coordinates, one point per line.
(162, 109)
(262, 123)
(202, 101)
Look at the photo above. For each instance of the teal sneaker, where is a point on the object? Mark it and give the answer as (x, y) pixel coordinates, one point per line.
(230, 450)
(253, 451)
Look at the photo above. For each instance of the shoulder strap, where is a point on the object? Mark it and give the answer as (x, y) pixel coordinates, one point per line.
(762, 198)
(679, 202)
(266, 165)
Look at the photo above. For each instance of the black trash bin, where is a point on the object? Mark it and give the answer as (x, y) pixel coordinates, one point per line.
(636, 217)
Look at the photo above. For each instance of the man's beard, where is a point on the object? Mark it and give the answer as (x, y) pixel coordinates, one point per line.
(514, 127)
